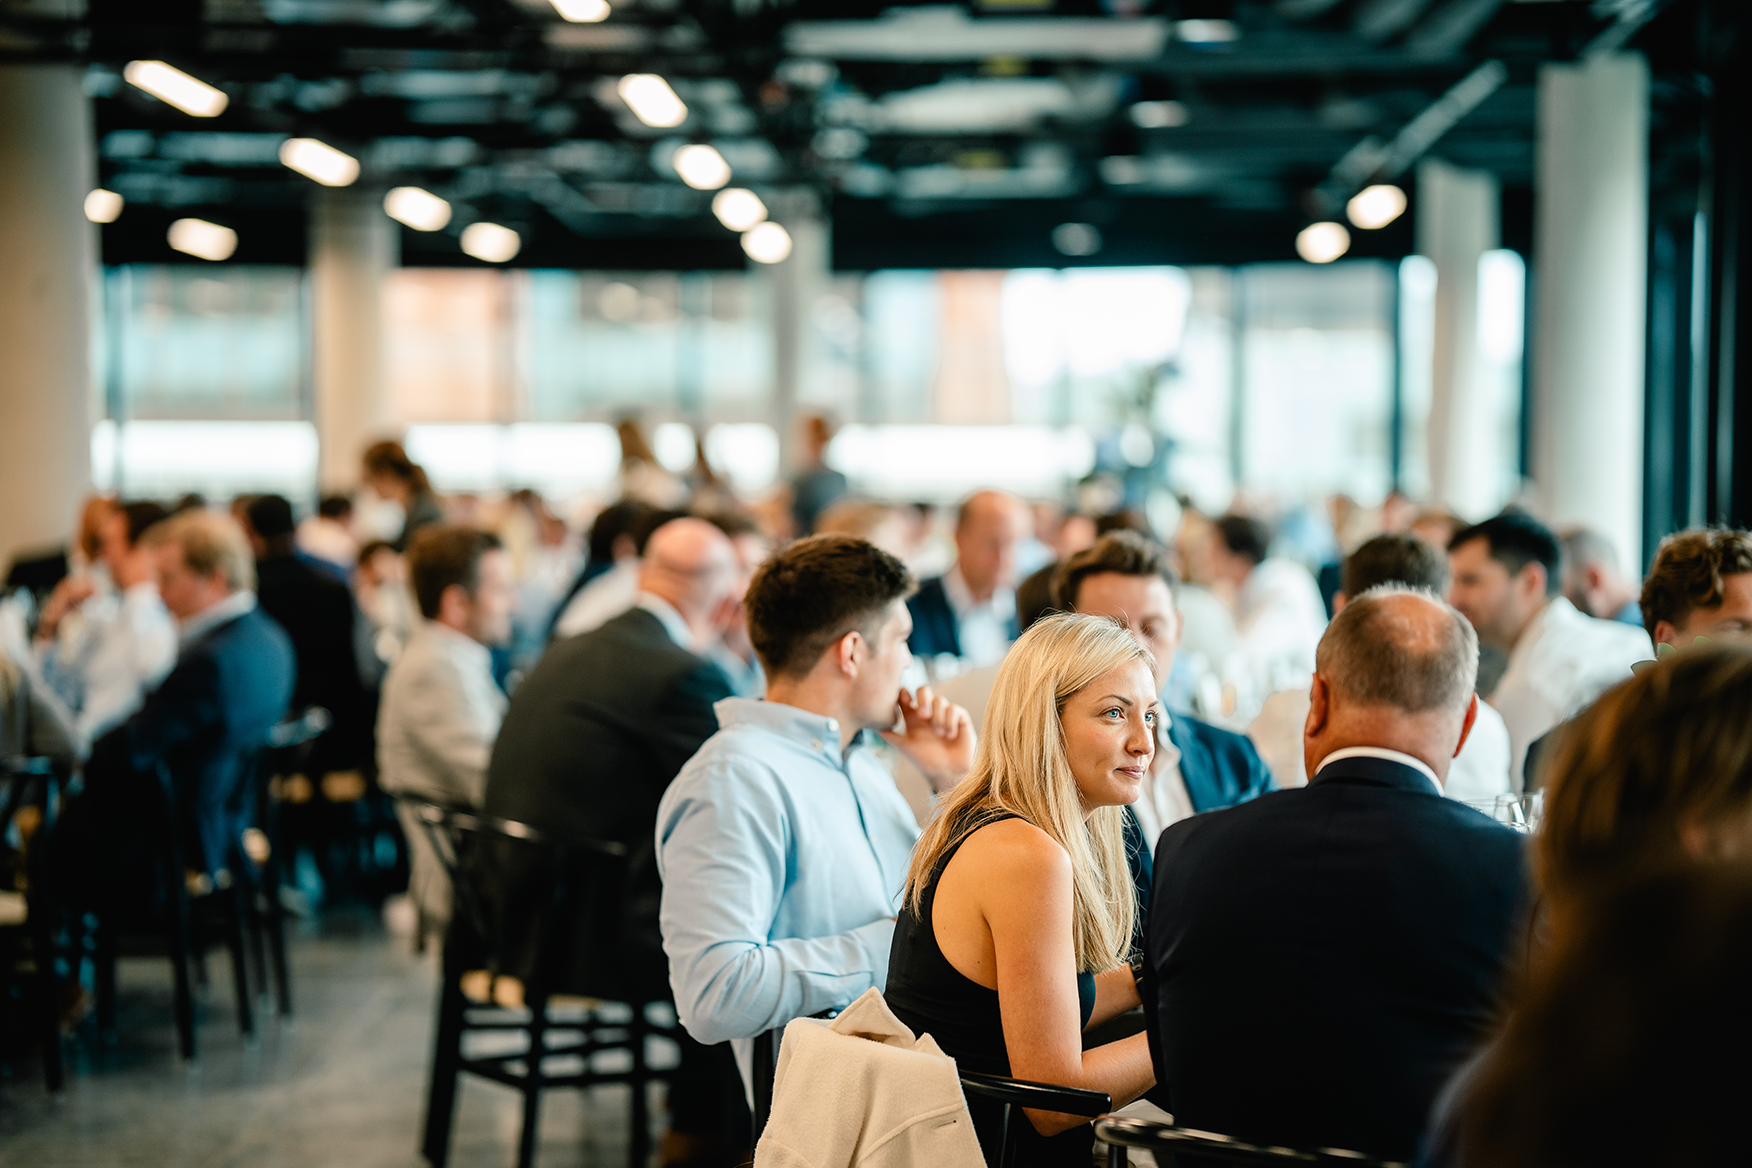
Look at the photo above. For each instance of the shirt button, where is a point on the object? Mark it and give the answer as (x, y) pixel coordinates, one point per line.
(832, 725)
(816, 744)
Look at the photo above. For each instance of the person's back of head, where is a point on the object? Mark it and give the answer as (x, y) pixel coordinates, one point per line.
(1395, 669)
(1656, 771)
(1245, 537)
(1699, 585)
(809, 595)
(1395, 559)
(336, 507)
(140, 516)
(691, 564)
(270, 517)
(611, 534)
(387, 460)
(203, 557)
(1614, 1052)
(1515, 539)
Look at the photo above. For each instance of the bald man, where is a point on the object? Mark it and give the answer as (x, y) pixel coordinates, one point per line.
(969, 612)
(592, 739)
(1321, 960)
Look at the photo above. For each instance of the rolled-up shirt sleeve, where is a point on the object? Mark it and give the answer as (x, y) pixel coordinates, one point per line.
(723, 845)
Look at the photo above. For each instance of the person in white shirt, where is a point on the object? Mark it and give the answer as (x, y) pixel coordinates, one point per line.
(1279, 616)
(441, 708)
(1480, 772)
(100, 651)
(1508, 573)
(969, 612)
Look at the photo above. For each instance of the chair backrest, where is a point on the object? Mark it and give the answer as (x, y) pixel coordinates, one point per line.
(500, 869)
(1204, 1147)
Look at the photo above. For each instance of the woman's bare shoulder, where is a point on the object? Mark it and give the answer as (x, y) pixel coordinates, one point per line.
(1015, 849)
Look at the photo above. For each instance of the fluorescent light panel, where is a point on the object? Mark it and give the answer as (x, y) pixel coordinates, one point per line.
(490, 242)
(319, 161)
(204, 240)
(419, 209)
(767, 243)
(174, 87)
(1321, 243)
(1375, 207)
(738, 209)
(103, 206)
(582, 11)
(651, 100)
(701, 167)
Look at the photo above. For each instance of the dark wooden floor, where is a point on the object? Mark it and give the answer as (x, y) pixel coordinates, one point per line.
(341, 1085)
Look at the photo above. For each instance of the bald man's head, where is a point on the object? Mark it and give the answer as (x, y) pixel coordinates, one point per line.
(692, 564)
(1400, 648)
(987, 529)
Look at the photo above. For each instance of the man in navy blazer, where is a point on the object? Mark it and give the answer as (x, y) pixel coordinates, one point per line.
(232, 682)
(970, 611)
(1321, 960)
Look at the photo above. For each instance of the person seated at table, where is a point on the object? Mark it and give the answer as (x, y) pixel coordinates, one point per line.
(1699, 586)
(1017, 923)
(969, 612)
(232, 682)
(1320, 960)
(782, 845)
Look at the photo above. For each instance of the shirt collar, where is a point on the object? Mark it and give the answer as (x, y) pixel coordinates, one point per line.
(673, 624)
(960, 596)
(1382, 752)
(815, 733)
(214, 615)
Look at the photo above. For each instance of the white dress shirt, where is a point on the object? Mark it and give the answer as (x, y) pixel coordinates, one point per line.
(982, 627)
(1479, 773)
(1279, 618)
(439, 716)
(96, 674)
(1416, 764)
(1164, 799)
(1562, 662)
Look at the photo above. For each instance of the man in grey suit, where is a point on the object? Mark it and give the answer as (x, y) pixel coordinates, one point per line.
(593, 737)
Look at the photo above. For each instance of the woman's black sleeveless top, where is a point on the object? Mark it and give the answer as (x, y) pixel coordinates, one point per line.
(932, 997)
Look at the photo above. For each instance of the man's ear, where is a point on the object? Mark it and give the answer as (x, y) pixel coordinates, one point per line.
(1533, 579)
(1666, 634)
(453, 604)
(1467, 725)
(849, 653)
(1339, 600)
(1319, 707)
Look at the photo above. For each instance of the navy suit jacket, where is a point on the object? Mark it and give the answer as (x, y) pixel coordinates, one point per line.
(934, 626)
(1321, 960)
(211, 713)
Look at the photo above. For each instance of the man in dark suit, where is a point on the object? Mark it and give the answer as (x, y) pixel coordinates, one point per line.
(1320, 960)
(232, 681)
(316, 609)
(970, 611)
(592, 739)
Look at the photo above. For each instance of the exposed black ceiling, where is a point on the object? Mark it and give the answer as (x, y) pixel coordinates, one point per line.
(938, 136)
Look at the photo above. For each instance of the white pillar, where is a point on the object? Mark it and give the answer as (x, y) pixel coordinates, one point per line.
(353, 246)
(1457, 222)
(47, 273)
(1590, 247)
(797, 282)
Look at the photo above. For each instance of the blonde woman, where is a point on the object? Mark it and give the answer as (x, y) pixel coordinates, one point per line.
(1013, 936)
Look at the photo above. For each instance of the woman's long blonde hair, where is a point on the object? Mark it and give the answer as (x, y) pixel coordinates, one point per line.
(1022, 769)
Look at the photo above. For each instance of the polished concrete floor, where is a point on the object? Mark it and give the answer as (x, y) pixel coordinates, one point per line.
(342, 1084)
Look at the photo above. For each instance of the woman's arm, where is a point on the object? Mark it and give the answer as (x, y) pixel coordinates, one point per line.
(1116, 991)
(1024, 890)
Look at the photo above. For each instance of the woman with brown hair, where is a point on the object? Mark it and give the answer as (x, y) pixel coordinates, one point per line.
(393, 475)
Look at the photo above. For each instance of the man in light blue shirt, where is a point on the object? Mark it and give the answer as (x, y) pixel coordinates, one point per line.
(783, 844)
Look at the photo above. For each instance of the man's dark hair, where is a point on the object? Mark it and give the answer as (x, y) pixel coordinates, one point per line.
(612, 522)
(1125, 553)
(441, 555)
(334, 507)
(733, 523)
(1516, 539)
(141, 515)
(1124, 519)
(814, 592)
(1687, 573)
(270, 516)
(1245, 536)
(1395, 559)
(372, 547)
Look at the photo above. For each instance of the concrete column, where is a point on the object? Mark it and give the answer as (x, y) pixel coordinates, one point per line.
(797, 282)
(1590, 247)
(46, 282)
(353, 246)
(1457, 222)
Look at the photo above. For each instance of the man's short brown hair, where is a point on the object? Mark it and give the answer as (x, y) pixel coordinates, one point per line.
(210, 542)
(1395, 559)
(812, 593)
(1125, 553)
(1687, 573)
(442, 555)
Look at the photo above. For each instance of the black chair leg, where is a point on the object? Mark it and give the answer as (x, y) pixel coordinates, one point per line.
(639, 1145)
(236, 908)
(253, 917)
(276, 925)
(178, 941)
(48, 985)
(532, 1081)
(103, 976)
(446, 1064)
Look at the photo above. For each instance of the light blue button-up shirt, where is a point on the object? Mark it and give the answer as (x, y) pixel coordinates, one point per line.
(782, 862)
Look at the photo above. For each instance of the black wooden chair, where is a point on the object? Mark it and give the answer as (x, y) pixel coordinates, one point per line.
(287, 746)
(565, 881)
(27, 949)
(1169, 1144)
(1012, 1094)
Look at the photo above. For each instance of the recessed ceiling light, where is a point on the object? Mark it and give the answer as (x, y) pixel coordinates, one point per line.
(738, 209)
(490, 242)
(767, 243)
(319, 161)
(701, 167)
(419, 209)
(1375, 207)
(1076, 239)
(204, 240)
(1159, 115)
(1321, 243)
(651, 100)
(1207, 32)
(174, 87)
(103, 206)
(582, 11)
